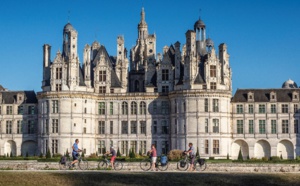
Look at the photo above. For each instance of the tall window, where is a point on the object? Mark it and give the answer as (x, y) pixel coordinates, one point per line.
(251, 129)
(213, 86)
(133, 108)
(101, 127)
(8, 127)
(101, 147)
(239, 109)
(216, 147)
(143, 147)
(261, 108)
(215, 125)
(54, 146)
(133, 127)
(54, 125)
(215, 105)
(46, 107)
(102, 75)
(58, 74)
(205, 105)
(111, 108)
(284, 108)
(262, 126)
(154, 127)
(111, 128)
(206, 146)
(164, 127)
(143, 127)
(164, 147)
(296, 126)
(19, 127)
(58, 87)
(175, 127)
(295, 108)
(101, 108)
(165, 75)
(30, 127)
(206, 125)
(31, 110)
(273, 108)
(165, 89)
(102, 89)
(154, 107)
(133, 145)
(240, 126)
(9, 110)
(47, 126)
(124, 147)
(273, 126)
(124, 108)
(165, 107)
(250, 109)
(20, 109)
(285, 126)
(54, 106)
(142, 108)
(213, 71)
(124, 127)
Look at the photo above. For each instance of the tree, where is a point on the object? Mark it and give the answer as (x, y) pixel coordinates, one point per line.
(228, 156)
(240, 157)
(140, 152)
(118, 152)
(197, 153)
(48, 154)
(67, 153)
(27, 154)
(41, 155)
(132, 153)
(82, 155)
(11, 155)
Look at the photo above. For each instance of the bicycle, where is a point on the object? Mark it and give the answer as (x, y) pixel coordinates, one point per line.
(200, 164)
(105, 163)
(146, 164)
(82, 163)
(183, 164)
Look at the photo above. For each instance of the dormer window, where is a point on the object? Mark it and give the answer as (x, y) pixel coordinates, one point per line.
(250, 96)
(295, 96)
(273, 96)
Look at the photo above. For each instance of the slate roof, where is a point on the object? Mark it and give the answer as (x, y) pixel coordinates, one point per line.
(263, 95)
(10, 97)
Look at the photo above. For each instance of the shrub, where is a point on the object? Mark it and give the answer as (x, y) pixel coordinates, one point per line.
(211, 158)
(174, 154)
(281, 156)
(48, 154)
(118, 153)
(82, 155)
(67, 153)
(240, 157)
(57, 155)
(275, 158)
(248, 158)
(140, 152)
(26, 154)
(41, 155)
(93, 155)
(10, 154)
(227, 156)
(298, 158)
(132, 154)
(265, 158)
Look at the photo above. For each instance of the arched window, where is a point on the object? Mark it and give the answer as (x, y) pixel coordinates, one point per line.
(124, 108)
(136, 86)
(142, 107)
(133, 108)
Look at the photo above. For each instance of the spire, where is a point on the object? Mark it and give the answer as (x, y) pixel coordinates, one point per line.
(143, 22)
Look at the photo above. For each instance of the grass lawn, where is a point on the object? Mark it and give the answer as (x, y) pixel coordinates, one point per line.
(89, 178)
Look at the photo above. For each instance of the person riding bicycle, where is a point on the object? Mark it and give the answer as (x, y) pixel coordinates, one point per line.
(75, 153)
(153, 156)
(113, 156)
(191, 153)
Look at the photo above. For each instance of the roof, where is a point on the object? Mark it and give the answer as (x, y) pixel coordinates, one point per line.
(263, 95)
(10, 97)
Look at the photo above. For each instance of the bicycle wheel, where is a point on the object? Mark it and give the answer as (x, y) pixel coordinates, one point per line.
(65, 166)
(163, 167)
(102, 165)
(202, 167)
(182, 165)
(118, 165)
(145, 164)
(83, 164)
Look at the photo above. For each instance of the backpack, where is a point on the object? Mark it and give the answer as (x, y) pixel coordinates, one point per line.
(63, 160)
(182, 164)
(201, 161)
(163, 160)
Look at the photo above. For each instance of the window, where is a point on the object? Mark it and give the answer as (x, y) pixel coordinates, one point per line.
(239, 109)
(112, 90)
(206, 147)
(261, 109)
(19, 127)
(213, 86)
(58, 74)
(111, 127)
(84, 130)
(206, 125)
(251, 129)
(54, 146)
(102, 75)
(46, 127)
(273, 126)
(9, 110)
(240, 126)
(8, 127)
(165, 89)
(143, 147)
(213, 71)
(215, 105)
(111, 108)
(143, 127)
(184, 106)
(262, 126)
(273, 108)
(175, 127)
(215, 125)
(54, 125)
(124, 147)
(165, 107)
(164, 147)
(133, 127)
(250, 109)
(101, 127)
(54, 106)
(142, 108)
(165, 75)
(154, 107)
(31, 110)
(124, 108)
(124, 127)
(85, 110)
(101, 147)
(20, 109)
(284, 108)
(296, 126)
(46, 107)
(164, 127)
(102, 89)
(285, 126)
(205, 105)
(204, 87)
(30, 127)
(133, 108)
(133, 145)
(58, 87)
(216, 147)
(295, 108)
(154, 127)
(101, 108)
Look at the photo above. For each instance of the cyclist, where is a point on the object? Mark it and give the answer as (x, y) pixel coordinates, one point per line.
(75, 153)
(113, 156)
(191, 153)
(153, 156)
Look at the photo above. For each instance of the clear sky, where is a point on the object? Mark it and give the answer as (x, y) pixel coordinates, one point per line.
(263, 36)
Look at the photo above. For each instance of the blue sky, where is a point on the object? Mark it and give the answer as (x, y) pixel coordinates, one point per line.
(262, 36)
